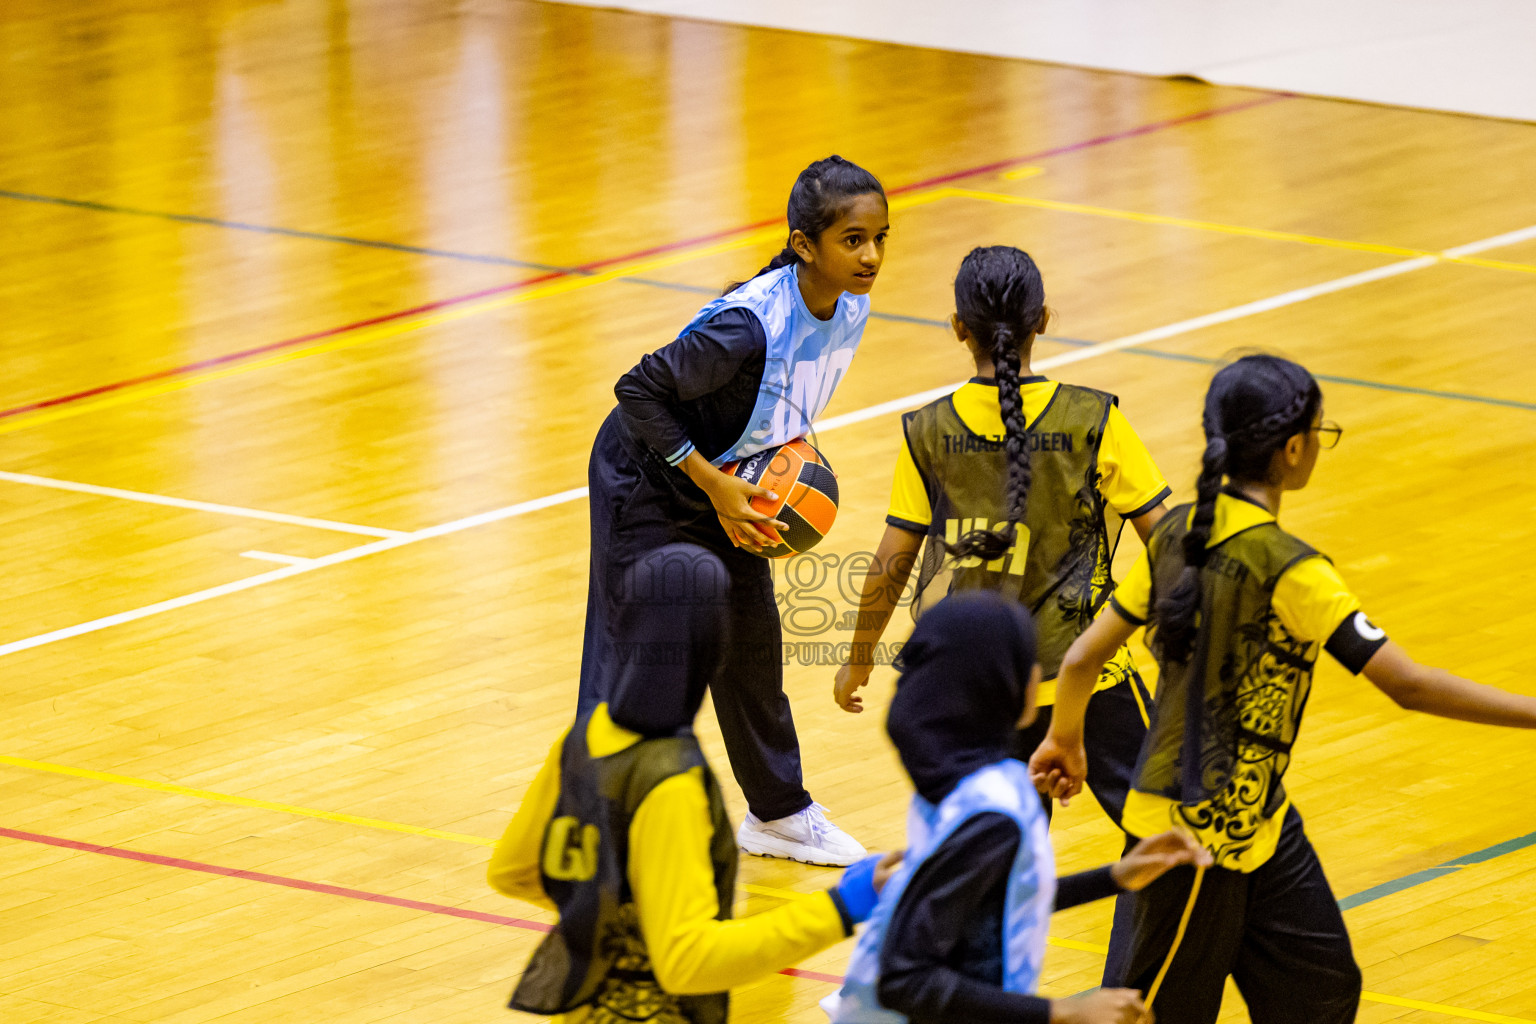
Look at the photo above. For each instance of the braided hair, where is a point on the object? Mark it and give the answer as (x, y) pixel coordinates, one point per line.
(821, 194)
(1253, 407)
(1000, 298)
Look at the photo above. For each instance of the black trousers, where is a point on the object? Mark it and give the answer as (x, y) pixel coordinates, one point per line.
(1113, 729)
(1276, 931)
(636, 510)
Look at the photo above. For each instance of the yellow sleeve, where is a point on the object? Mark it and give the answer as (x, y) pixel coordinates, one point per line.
(909, 495)
(1128, 478)
(1311, 599)
(1132, 596)
(673, 880)
(514, 869)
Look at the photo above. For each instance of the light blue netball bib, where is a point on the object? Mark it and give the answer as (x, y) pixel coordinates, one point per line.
(806, 360)
(1001, 788)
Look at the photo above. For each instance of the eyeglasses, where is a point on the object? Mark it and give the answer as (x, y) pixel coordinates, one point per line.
(1328, 434)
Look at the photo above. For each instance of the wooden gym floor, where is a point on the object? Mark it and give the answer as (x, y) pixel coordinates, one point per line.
(312, 310)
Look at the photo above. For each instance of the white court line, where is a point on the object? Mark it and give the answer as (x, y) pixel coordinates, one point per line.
(336, 558)
(831, 423)
(199, 506)
(270, 556)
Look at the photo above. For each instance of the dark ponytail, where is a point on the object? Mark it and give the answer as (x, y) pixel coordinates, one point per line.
(821, 194)
(1253, 407)
(1000, 298)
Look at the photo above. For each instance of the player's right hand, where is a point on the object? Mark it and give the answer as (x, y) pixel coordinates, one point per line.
(744, 525)
(1101, 1006)
(849, 678)
(1058, 771)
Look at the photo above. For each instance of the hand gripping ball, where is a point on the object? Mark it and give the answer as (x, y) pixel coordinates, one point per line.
(807, 490)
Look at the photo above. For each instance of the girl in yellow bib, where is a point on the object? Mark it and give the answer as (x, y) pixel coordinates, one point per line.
(1018, 484)
(1239, 610)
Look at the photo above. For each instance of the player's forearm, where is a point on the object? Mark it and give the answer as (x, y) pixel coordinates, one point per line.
(1438, 692)
(1074, 686)
(712, 956)
(883, 586)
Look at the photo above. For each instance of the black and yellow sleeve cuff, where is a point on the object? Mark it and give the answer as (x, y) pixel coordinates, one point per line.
(1147, 506)
(1120, 610)
(907, 524)
(842, 912)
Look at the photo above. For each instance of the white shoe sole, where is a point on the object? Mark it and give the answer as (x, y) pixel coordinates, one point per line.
(760, 845)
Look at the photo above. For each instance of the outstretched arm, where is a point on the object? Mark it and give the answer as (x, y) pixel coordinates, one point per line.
(883, 585)
(672, 877)
(1435, 691)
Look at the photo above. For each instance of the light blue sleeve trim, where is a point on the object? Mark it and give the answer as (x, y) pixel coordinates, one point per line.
(681, 454)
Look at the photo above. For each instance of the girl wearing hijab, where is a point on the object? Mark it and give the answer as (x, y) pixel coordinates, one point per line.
(959, 933)
(624, 832)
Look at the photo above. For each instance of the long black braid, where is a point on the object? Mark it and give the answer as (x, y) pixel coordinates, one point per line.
(1252, 408)
(821, 194)
(1000, 298)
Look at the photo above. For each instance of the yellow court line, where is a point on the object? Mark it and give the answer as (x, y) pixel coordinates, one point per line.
(242, 801)
(379, 332)
(461, 837)
(1449, 1011)
(1231, 229)
(1019, 173)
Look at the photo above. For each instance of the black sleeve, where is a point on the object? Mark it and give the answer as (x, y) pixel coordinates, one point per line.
(1085, 887)
(1355, 642)
(700, 362)
(916, 978)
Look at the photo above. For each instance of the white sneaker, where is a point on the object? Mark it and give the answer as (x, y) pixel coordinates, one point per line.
(807, 837)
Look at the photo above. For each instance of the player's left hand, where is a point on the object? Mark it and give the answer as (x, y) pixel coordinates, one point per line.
(889, 862)
(844, 689)
(1150, 858)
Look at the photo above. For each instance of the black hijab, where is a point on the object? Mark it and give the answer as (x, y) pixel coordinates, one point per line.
(964, 676)
(669, 634)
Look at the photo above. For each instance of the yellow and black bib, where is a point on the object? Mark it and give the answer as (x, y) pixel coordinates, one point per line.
(595, 956)
(1225, 720)
(1059, 564)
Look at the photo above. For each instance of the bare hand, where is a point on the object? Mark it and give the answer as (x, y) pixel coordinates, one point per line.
(887, 867)
(1057, 771)
(849, 679)
(1153, 856)
(1101, 1006)
(744, 525)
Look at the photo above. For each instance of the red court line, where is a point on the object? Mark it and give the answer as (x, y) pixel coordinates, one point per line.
(587, 268)
(261, 876)
(276, 346)
(1129, 133)
(321, 887)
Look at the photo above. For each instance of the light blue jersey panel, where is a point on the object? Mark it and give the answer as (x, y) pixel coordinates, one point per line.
(1001, 788)
(806, 360)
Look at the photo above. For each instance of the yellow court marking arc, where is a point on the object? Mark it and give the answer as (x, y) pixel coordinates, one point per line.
(379, 332)
(461, 837)
(1231, 229)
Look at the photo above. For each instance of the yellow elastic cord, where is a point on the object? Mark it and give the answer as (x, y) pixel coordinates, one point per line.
(1178, 935)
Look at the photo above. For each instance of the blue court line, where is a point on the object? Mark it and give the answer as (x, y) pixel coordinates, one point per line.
(1450, 867)
(267, 229)
(506, 261)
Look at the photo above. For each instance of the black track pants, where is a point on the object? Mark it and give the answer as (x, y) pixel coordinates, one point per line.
(633, 512)
(1276, 931)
